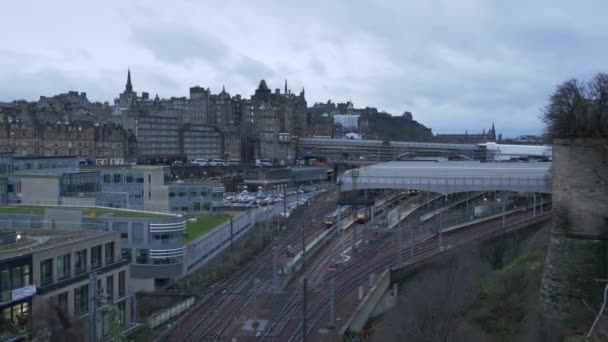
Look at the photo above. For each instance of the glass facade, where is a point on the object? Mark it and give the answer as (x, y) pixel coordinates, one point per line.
(72, 184)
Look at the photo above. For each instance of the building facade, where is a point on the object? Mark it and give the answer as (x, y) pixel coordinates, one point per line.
(47, 275)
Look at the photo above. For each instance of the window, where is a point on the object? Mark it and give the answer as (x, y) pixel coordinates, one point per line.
(80, 265)
(81, 299)
(17, 280)
(182, 193)
(193, 193)
(106, 323)
(123, 228)
(185, 209)
(63, 266)
(16, 313)
(129, 179)
(95, 257)
(121, 284)
(196, 206)
(141, 256)
(5, 282)
(46, 272)
(62, 302)
(110, 288)
(26, 275)
(138, 232)
(126, 254)
(107, 179)
(171, 193)
(109, 252)
(122, 313)
(140, 179)
(117, 178)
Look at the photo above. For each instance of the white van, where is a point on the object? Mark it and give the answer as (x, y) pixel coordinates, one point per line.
(217, 162)
(263, 162)
(199, 162)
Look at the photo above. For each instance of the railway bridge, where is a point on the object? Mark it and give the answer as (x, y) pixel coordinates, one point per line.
(448, 177)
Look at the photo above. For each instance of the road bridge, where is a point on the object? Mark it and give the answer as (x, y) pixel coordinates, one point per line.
(446, 177)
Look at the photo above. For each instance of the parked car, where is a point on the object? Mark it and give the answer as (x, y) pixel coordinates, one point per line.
(217, 162)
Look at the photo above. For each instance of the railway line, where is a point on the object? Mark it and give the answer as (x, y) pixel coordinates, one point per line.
(375, 262)
(210, 319)
(219, 316)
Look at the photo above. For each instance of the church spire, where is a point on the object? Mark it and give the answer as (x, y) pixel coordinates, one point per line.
(129, 87)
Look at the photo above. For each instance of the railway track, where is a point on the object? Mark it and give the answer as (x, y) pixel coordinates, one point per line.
(424, 249)
(215, 314)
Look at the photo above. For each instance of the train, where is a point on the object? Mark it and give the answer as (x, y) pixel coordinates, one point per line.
(332, 218)
(361, 216)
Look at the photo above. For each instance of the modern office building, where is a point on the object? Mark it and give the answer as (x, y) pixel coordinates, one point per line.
(149, 188)
(45, 277)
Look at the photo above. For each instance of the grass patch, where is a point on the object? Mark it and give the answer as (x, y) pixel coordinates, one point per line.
(203, 224)
(39, 210)
(122, 213)
(22, 209)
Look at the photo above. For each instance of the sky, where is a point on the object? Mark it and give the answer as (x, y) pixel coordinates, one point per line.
(456, 65)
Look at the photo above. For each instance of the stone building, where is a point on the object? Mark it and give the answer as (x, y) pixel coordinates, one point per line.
(78, 139)
(201, 141)
(489, 136)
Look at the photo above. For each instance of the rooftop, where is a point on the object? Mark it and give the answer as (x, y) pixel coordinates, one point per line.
(454, 169)
(36, 240)
(124, 167)
(86, 211)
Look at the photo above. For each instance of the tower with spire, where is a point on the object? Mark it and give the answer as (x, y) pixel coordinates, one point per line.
(129, 97)
(129, 86)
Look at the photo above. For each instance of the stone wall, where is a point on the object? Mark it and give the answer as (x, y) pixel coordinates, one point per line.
(577, 254)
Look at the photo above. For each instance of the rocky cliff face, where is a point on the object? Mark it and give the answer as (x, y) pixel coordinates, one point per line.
(578, 249)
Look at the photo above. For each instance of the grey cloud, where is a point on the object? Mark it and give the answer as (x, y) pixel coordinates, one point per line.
(179, 45)
(252, 69)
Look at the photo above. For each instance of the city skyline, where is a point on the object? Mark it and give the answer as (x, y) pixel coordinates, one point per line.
(471, 64)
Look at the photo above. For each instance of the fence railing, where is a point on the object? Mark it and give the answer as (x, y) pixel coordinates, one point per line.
(218, 238)
(169, 313)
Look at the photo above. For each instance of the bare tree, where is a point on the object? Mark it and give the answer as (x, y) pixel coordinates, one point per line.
(578, 109)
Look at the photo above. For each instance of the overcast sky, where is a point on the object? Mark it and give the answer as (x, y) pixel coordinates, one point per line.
(455, 64)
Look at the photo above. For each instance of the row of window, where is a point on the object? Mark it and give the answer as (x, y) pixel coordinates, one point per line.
(195, 207)
(184, 193)
(137, 231)
(63, 266)
(81, 294)
(118, 178)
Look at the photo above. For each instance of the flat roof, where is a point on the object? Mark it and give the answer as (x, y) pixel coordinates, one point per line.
(454, 169)
(33, 240)
(86, 211)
